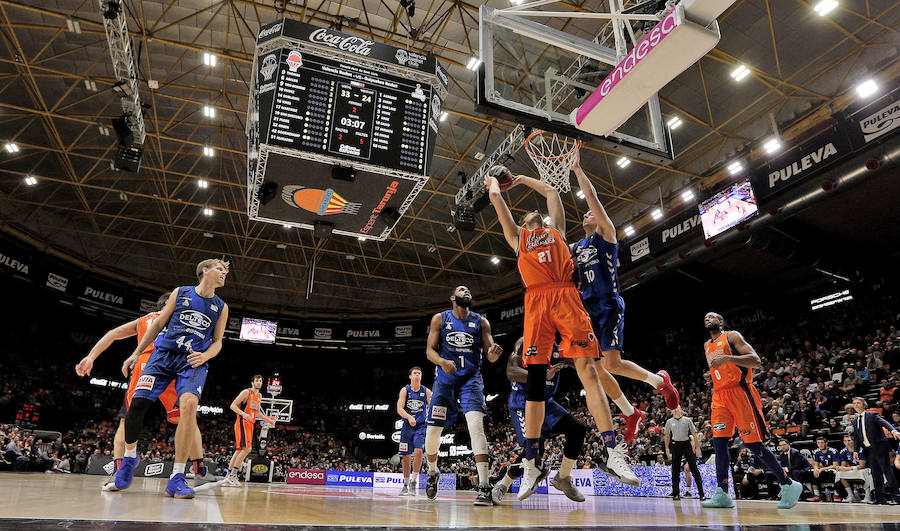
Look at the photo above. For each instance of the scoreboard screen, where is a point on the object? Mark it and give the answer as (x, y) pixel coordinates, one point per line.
(328, 107)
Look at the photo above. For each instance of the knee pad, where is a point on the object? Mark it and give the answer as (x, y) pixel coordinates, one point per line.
(433, 439)
(134, 419)
(537, 382)
(475, 422)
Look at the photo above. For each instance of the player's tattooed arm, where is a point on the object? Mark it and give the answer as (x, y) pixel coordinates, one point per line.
(433, 346)
(605, 227)
(746, 356)
(158, 324)
(514, 369)
(493, 350)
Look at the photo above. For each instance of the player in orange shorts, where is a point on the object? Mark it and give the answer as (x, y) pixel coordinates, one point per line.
(168, 398)
(552, 303)
(243, 426)
(735, 403)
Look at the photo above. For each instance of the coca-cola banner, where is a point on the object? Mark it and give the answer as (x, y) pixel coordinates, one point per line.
(305, 476)
(361, 45)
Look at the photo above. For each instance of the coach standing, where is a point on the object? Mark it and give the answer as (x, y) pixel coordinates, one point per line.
(678, 433)
(869, 436)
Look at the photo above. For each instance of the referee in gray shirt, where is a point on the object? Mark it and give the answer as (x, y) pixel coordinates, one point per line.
(678, 433)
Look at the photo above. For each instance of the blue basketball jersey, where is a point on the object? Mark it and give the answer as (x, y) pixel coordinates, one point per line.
(415, 404)
(827, 457)
(461, 343)
(598, 272)
(192, 324)
(517, 392)
(847, 455)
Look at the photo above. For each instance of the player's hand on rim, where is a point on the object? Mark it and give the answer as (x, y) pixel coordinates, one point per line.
(576, 159)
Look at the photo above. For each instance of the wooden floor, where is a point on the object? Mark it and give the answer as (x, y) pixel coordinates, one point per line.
(52, 499)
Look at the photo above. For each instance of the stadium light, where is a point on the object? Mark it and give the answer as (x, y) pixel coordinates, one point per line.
(207, 212)
(286, 226)
(30, 180)
(209, 112)
(674, 123)
(735, 167)
(772, 145)
(656, 214)
(687, 195)
(202, 183)
(495, 260)
(622, 162)
(11, 147)
(443, 116)
(629, 230)
(209, 59)
(208, 151)
(361, 238)
(740, 72)
(867, 88)
(580, 194)
(824, 7)
(473, 63)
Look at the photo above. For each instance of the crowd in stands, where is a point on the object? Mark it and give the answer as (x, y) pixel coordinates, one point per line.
(813, 365)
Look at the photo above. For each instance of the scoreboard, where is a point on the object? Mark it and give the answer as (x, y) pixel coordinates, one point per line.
(323, 99)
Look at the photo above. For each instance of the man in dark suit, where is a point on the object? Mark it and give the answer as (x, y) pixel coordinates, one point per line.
(795, 465)
(868, 436)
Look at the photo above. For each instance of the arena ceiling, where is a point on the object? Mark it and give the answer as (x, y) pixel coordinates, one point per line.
(149, 227)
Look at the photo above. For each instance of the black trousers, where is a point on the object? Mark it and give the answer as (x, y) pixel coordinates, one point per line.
(879, 460)
(682, 450)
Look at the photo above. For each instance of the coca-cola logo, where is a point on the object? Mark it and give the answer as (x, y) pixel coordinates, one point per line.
(355, 45)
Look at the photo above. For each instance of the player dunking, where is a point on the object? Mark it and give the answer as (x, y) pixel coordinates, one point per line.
(557, 421)
(192, 324)
(456, 340)
(552, 303)
(412, 405)
(243, 426)
(736, 402)
(167, 399)
(596, 257)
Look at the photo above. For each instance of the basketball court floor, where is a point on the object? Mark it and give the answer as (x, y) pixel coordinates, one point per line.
(77, 503)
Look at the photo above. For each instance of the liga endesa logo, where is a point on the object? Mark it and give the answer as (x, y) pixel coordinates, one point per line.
(304, 476)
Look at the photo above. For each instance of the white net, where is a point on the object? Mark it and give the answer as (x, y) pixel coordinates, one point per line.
(552, 155)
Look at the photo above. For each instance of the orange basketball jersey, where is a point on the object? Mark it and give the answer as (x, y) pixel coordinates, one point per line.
(252, 407)
(728, 374)
(544, 257)
(142, 326)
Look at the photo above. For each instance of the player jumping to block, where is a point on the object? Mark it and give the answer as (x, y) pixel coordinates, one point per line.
(412, 405)
(596, 257)
(552, 303)
(456, 340)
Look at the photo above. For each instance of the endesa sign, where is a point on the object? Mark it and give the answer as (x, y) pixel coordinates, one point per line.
(305, 476)
(349, 479)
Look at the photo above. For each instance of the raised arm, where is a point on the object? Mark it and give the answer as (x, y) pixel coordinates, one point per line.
(128, 329)
(433, 345)
(554, 204)
(745, 357)
(492, 350)
(605, 227)
(510, 228)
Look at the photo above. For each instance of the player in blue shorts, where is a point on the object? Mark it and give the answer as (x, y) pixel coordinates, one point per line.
(596, 258)
(557, 421)
(456, 340)
(188, 333)
(412, 405)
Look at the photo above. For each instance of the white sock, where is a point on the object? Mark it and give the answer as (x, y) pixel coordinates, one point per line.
(566, 468)
(131, 453)
(432, 466)
(624, 405)
(654, 380)
(177, 468)
(484, 474)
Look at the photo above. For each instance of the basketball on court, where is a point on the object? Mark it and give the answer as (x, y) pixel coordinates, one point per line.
(450, 265)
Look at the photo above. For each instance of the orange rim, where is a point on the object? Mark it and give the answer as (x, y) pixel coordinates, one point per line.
(577, 145)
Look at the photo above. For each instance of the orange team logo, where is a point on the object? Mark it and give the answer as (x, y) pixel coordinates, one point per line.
(321, 202)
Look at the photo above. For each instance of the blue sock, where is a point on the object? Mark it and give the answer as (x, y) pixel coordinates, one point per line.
(533, 450)
(769, 459)
(609, 439)
(723, 461)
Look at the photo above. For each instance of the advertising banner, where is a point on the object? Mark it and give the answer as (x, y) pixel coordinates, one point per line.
(655, 481)
(394, 481)
(103, 465)
(303, 476)
(349, 479)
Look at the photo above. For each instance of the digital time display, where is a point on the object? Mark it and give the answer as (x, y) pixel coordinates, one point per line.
(347, 111)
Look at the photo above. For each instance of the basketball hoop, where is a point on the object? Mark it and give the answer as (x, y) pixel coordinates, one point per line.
(552, 154)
